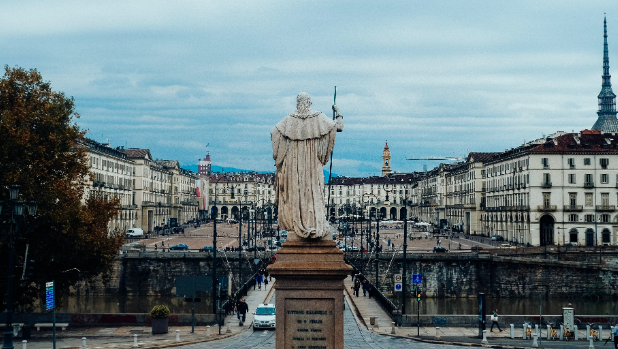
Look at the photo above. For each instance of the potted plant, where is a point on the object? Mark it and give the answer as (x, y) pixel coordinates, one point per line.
(159, 314)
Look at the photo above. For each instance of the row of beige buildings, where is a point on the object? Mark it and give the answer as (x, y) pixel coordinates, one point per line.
(151, 192)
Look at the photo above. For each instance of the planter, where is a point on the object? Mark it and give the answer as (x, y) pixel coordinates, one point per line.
(159, 326)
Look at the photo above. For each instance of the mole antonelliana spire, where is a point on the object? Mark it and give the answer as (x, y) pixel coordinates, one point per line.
(607, 121)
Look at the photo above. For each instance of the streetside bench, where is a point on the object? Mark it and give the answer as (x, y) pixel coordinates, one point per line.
(50, 325)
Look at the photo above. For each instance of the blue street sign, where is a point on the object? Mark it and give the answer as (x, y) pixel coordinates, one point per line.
(49, 295)
(398, 287)
(417, 279)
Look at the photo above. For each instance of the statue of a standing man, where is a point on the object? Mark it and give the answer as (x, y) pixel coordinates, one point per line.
(302, 144)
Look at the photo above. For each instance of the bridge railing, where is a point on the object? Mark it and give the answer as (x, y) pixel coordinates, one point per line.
(385, 303)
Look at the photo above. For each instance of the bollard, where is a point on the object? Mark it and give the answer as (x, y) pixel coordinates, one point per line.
(512, 331)
(611, 332)
(587, 332)
(393, 328)
(576, 332)
(591, 346)
(177, 335)
(600, 332)
(535, 342)
(437, 337)
(524, 333)
(484, 341)
(84, 342)
(208, 330)
(548, 332)
(23, 344)
(135, 341)
(228, 329)
(561, 335)
(536, 329)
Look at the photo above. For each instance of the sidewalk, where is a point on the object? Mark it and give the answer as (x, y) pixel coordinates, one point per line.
(122, 337)
(364, 307)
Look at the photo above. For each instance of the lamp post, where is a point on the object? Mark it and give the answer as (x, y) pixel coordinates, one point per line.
(215, 280)
(17, 207)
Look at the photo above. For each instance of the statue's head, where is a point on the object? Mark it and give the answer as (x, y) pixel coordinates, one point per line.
(303, 102)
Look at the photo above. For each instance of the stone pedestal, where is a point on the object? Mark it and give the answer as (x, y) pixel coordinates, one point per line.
(567, 314)
(309, 294)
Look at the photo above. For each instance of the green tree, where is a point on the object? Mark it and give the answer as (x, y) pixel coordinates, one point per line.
(39, 150)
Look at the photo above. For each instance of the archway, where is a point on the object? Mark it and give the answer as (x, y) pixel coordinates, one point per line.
(235, 212)
(605, 237)
(224, 212)
(403, 213)
(372, 213)
(214, 212)
(244, 213)
(547, 230)
(589, 237)
(382, 212)
(393, 213)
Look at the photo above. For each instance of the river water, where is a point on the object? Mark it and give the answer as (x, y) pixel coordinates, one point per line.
(442, 306)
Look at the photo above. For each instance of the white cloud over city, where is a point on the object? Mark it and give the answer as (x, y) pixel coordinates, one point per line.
(434, 78)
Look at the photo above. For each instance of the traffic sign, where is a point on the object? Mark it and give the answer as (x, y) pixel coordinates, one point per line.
(256, 261)
(397, 277)
(398, 286)
(49, 295)
(417, 279)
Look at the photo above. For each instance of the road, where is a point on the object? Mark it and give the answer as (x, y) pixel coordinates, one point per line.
(355, 336)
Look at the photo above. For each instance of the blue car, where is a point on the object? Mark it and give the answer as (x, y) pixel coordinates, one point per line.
(179, 247)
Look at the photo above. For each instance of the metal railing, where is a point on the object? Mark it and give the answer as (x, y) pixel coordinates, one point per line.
(388, 306)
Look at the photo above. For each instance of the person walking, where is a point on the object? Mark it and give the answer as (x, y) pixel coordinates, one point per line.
(494, 321)
(242, 308)
(615, 333)
(364, 288)
(356, 287)
(369, 288)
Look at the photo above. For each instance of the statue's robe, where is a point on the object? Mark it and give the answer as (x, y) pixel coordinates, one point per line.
(302, 144)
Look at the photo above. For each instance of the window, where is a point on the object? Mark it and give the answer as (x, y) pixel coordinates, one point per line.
(588, 181)
(572, 178)
(588, 199)
(604, 178)
(573, 236)
(604, 199)
(589, 218)
(586, 161)
(572, 199)
(606, 236)
(571, 162)
(546, 178)
(604, 162)
(546, 199)
(604, 218)
(545, 162)
(573, 218)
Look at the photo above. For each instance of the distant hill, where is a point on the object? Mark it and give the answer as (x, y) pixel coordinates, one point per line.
(216, 168)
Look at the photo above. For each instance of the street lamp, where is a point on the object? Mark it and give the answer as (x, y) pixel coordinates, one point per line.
(17, 210)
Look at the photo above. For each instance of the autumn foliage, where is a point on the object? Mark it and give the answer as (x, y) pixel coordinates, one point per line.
(39, 151)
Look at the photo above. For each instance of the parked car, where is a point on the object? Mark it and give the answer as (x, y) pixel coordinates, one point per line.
(207, 249)
(507, 246)
(264, 317)
(135, 232)
(497, 238)
(439, 249)
(179, 247)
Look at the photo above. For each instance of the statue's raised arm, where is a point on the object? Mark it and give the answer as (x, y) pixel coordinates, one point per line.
(302, 144)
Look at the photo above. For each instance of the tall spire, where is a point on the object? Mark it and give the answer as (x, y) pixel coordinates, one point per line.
(606, 121)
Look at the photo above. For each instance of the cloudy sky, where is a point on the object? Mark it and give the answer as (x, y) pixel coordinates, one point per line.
(434, 78)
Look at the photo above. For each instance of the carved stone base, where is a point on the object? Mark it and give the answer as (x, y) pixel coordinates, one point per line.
(309, 294)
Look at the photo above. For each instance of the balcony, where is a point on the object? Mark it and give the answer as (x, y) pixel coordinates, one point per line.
(546, 185)
(588, 185)
(147, 203)
(606, 208)
(546, 208)
(573, 208)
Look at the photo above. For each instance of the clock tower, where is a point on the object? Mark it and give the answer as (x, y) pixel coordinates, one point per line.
(386, 161)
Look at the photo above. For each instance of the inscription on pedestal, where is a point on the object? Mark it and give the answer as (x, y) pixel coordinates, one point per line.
(309, 323)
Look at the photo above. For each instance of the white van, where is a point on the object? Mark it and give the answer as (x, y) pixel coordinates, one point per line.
(135, 232)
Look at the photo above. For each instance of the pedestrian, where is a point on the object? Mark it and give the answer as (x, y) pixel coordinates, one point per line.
(364, 288)
(265, 282)
(369, 288)
(615, 333)
(258, 280)
(494, 321)
(356, 287)
(155, 246)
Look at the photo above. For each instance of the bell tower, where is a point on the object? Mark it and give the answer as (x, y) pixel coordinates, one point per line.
(386, 161)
